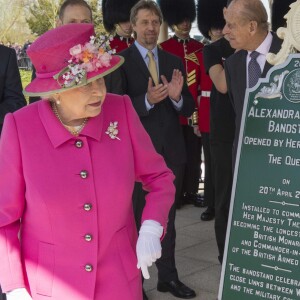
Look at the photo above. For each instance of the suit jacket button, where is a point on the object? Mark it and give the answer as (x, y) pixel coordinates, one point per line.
(83, 174)
(88, 237)
(88, 268)
(87, 206)
(79, 143)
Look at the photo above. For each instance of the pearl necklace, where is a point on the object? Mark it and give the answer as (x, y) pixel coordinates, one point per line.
(74, 130)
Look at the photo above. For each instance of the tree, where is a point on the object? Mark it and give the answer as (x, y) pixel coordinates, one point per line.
(97, 16)
(12, 18)
(44, 13)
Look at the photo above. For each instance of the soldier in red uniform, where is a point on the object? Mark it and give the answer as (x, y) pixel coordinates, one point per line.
(206, 17)
(179, 15)
(204, 127)
(116, 15)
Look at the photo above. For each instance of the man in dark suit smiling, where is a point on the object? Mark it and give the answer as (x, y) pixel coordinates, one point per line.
(154, 80)
(246, 29)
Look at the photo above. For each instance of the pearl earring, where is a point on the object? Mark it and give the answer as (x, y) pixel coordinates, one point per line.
(57, 100)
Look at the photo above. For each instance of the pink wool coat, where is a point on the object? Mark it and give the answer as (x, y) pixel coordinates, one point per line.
(70, 198)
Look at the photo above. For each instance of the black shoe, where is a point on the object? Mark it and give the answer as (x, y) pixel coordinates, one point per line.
(208, 215)
(144, 295)
(176, 288)
(199, 201)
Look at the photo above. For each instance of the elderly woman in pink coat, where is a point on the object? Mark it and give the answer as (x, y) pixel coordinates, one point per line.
(68, 165)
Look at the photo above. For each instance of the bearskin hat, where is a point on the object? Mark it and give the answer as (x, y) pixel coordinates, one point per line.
(116, 11)
(176, 11)
(210, 15)
(279, 9)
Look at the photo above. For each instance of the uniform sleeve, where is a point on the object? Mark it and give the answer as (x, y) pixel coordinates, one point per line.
(151, 170)
(211, 57)
(229, 82)
(12, 201)
(188, 106)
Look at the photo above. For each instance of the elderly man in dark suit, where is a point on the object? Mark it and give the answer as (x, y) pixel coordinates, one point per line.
(155, 83)
(11, 97)
(247, 29)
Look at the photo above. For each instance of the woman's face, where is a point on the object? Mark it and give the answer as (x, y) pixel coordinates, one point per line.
(82, 102)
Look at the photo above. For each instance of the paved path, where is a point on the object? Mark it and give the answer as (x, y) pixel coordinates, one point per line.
(196, 257)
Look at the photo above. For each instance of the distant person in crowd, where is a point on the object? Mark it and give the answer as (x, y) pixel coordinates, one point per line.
(154, 80)
(68, 164)
(210, 24)
(116, 14)
(246, 29)
(26, 45)
(180, 15)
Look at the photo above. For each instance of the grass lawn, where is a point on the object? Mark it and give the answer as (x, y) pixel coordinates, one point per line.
(25, 78)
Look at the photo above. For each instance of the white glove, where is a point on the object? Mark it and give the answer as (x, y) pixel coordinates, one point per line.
(148, 247)
(18, 294)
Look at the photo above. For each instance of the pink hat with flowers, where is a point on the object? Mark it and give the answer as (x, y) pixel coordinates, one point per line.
(68, 57)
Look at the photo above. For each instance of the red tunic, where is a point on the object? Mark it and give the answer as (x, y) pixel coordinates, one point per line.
(120, 43)
(187, 49)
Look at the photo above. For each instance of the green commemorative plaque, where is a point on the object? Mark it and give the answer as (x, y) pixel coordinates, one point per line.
(262, 258)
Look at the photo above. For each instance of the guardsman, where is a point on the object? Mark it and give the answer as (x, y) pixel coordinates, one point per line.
(210, 24)
(116, 15)
(179, 14)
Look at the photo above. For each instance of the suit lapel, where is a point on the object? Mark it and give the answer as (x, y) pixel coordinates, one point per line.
(137, 59)
(242, 71)
(162, 61)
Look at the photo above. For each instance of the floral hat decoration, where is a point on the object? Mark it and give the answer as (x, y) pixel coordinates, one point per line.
(67, 57)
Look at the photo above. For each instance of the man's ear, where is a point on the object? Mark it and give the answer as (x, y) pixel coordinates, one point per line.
(253, 27)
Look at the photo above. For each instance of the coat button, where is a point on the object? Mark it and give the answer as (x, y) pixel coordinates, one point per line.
(87, 206)
(83, 174)
(79, 143)
(88, 237)
(88, 268)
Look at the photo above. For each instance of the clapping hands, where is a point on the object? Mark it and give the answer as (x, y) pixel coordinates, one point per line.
(172, 89)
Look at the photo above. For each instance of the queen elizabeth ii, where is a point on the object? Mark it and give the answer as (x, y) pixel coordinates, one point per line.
(68, 164)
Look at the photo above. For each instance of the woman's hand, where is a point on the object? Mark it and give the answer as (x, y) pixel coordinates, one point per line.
(148, 247)
(18, 294)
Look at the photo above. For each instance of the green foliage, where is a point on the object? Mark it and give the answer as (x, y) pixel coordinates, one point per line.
(44, 13)
(97, 17)
(25, 77)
